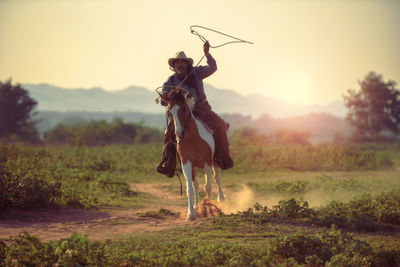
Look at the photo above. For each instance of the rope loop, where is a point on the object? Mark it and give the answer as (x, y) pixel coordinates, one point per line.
(238, 40)
(203, 39)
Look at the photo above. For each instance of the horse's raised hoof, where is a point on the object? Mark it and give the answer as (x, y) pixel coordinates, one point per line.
(190, 217)
(221, 199)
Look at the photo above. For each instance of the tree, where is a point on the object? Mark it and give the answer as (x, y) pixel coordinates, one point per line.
(16, 107)
(375, 107)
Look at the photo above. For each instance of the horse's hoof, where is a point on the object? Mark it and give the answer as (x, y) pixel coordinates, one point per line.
(221, 199)
(190, 217)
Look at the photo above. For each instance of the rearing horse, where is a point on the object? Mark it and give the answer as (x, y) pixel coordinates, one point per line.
(195, 146)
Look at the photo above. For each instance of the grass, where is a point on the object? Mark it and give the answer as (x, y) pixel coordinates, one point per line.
(100, 178)
(209, 245)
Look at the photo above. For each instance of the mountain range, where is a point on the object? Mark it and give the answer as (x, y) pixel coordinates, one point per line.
(140, 99)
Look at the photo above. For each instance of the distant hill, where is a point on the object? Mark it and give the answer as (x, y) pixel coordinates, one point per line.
(140, 99)
(136, 104)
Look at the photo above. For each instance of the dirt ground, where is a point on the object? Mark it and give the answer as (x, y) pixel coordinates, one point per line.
(51, 224)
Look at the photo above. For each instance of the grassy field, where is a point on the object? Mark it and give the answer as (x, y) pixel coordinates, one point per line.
(288, 206)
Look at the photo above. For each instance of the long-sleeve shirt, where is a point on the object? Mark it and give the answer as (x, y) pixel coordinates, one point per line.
(200, 73)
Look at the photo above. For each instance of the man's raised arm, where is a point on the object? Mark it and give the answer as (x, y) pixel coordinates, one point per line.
(206, 71)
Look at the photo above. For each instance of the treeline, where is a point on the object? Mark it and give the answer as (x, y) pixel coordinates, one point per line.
(94, 133)
(19, 124)
(373, 116)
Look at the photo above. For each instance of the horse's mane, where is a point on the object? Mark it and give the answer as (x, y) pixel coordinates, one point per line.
(180, 96)
(176, 95)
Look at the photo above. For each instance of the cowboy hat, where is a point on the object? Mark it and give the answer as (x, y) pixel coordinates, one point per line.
(180, 55)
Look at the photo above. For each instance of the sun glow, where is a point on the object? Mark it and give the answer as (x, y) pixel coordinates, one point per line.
(297, 89)
(304, 51)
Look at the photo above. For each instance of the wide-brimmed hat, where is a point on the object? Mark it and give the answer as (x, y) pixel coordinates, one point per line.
(180, 55)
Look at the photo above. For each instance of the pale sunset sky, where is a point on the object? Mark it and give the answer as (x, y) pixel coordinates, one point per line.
(305, 51)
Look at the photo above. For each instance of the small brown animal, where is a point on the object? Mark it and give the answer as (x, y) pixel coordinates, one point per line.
(207, 209)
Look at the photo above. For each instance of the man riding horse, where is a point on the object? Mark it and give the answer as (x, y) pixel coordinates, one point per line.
(193, 85)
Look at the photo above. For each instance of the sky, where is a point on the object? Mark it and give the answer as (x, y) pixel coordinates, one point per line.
(304, 51)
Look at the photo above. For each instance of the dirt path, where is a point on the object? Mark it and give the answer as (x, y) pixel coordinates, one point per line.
(52, 224)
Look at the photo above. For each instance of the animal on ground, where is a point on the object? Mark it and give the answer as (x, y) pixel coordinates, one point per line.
(195, 146)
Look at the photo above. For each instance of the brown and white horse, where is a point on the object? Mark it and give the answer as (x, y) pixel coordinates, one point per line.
(195, 146)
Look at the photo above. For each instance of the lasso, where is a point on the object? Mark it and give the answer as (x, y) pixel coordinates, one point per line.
(203, 39)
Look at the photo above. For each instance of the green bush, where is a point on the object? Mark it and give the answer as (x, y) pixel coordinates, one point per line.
(23, 181)
(332, 248)
(33, 177)
(27, 250)
(366, 213)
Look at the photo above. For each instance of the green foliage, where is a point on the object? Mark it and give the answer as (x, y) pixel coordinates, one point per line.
(77, 251)
(332, 248)
(366, 213)
(257, 157)
(27, 250)
(16, 108)
(327, 248)
(102, 133)
(366, 210)
(323, 184)
(40, 177)
(375, 107)
(92, 176)
(21, 179)
(286, 210)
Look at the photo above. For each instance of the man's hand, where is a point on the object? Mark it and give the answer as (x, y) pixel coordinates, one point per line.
(206, 48)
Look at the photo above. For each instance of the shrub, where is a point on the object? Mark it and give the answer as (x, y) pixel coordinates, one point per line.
(332, 248)
(365, 213)
(33, 177)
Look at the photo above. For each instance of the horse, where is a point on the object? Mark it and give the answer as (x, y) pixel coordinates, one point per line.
(195, 146)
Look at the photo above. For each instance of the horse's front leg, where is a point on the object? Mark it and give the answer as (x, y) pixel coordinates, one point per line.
(195, 187)
(187, 171)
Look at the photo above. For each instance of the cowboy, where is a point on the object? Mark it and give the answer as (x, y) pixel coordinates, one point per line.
(192, 78)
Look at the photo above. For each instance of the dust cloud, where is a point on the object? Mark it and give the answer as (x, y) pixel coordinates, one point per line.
(246, 198)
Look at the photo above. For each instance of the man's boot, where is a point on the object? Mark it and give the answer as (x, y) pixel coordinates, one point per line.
(221, 154)
(168, 161)
(168, 164)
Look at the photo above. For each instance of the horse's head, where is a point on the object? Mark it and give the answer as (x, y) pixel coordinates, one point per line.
(179, 109)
